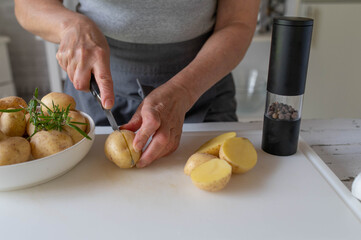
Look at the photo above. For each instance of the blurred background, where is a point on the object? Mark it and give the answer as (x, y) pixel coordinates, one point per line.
(334, 73)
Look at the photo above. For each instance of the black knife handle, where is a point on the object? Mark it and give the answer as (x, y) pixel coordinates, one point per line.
(94, 89)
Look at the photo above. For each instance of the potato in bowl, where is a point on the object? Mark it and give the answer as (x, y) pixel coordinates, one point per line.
(54, 137)
(41, 170)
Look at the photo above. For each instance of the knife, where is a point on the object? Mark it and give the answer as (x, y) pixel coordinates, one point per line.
(94, 89)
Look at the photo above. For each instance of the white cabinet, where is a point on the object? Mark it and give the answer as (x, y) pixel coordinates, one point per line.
(6, 81)
(334, 72)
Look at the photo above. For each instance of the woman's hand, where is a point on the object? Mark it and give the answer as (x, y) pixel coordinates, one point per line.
(84, 50)
(160, 116)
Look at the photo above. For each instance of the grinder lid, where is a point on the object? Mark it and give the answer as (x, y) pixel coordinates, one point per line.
(290, 48)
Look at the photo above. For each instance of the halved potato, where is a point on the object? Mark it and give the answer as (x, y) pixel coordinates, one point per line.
(240, 153)
(213, 145)
(195, 160)
(212, 175)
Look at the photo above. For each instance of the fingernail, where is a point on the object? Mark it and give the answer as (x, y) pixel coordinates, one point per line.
(108, 104)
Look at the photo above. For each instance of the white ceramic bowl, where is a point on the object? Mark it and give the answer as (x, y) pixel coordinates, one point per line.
(34, 172)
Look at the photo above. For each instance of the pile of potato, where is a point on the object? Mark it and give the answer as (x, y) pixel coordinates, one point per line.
(15, 128)
(212, 165)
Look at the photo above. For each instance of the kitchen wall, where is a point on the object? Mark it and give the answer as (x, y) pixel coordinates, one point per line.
(27, 55)
(29, 67)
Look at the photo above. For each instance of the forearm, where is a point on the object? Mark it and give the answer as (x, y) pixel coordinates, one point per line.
(221, 53)
(45, 18)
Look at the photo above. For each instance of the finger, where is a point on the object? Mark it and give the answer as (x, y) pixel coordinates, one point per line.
(62, 60)
(150, 123)
(103, 77)
(70, 70)
(158, 147)
(82, 78)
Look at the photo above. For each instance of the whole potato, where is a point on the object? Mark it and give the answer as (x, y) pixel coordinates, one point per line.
(46, 143)
(30, 128)
(63, 100)
(2, 136)
(74, 134)
(14, 150)
(13, 123)
(119, 149)
(12, 102)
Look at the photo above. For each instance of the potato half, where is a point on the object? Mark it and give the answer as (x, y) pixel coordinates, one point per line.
(195, 160)
(46, 143)
(14, 150)
(213, 145)
(240, 153)
(119, 149)
(63, 100)
(13, 123)
(212, 175)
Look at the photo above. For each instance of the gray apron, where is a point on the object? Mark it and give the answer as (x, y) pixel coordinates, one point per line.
(153, 65)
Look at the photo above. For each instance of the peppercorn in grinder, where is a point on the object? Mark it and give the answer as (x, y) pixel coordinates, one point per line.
(290, 48)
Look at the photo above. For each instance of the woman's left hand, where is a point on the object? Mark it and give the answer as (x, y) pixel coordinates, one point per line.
(160, 116)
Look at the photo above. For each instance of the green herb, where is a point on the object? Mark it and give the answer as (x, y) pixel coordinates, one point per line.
(54, 119)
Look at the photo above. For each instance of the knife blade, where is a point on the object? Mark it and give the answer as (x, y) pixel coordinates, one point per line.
(94, 89)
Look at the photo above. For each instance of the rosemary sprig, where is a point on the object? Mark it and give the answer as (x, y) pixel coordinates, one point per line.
(54, 119)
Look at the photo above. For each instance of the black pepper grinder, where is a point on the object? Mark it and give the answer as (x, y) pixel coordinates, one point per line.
(290, 48)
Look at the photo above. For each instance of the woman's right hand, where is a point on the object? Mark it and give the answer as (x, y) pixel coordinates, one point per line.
(83, 50)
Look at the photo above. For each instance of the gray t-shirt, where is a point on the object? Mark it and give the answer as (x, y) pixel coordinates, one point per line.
(151, 21)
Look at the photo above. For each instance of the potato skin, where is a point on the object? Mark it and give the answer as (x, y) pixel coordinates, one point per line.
(195, 160)
(118, 148)
(12, 102)
(61, 99)
(14, 150)
(2, 136)
(74, 134)
(46, 143)
(13, 123)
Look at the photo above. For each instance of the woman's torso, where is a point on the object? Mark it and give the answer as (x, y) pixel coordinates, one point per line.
(151, 21)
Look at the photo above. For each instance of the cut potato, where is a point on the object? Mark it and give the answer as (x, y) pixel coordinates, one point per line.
(119, 149)
(46, 143)
(240, 153)
(195, 160)
(14, 150)
(212, 175)
(212, 146)
(63, 100)
(13, 123)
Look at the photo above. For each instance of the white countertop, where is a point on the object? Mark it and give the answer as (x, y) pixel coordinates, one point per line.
(281, 198)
